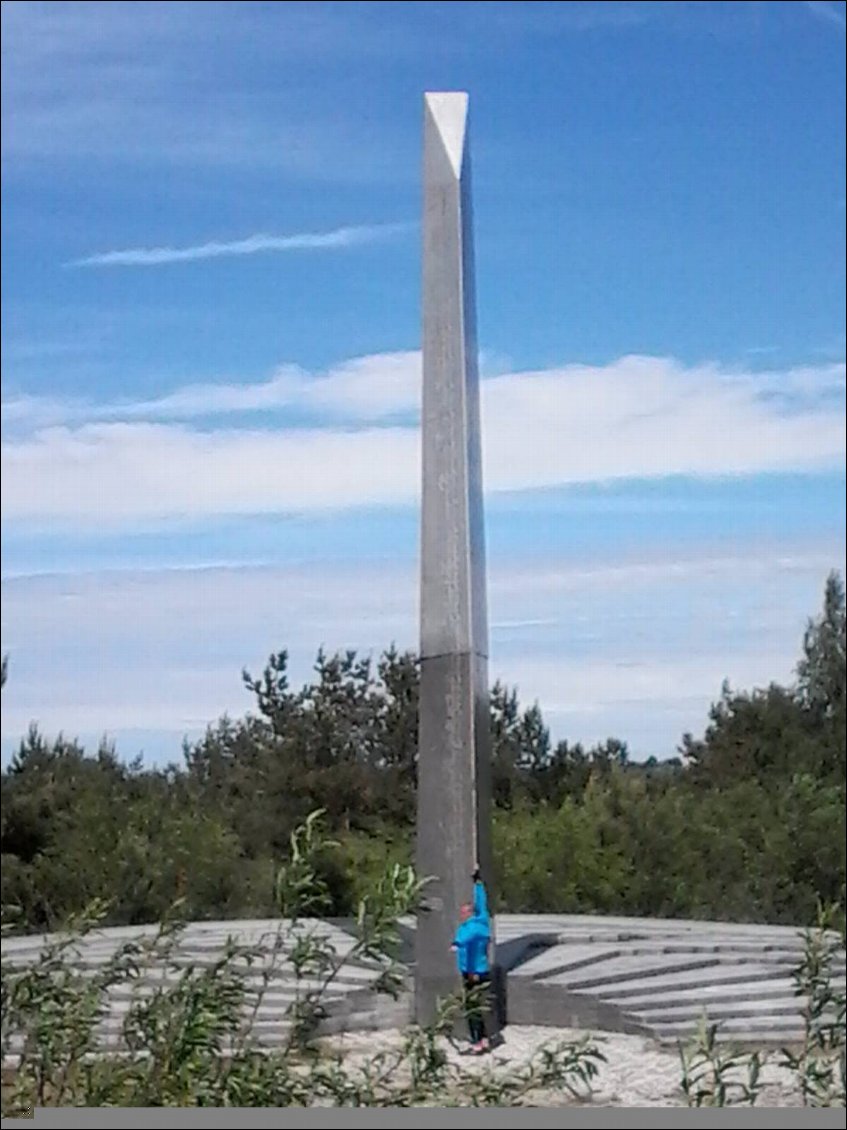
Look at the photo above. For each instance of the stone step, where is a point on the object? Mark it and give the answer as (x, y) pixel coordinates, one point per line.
(765, 1029)
(196, 935)
(599, 923)
(709, 994)
(622, 990)
(117, 1014)
(701, 939)
(561, 958)
(177, 963)
(719, 1011)
(761, 991)
(628, 969)
(776, 952)
(286, 985)
(267, 1032)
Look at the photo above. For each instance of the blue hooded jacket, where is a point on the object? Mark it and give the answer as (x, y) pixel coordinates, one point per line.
(473, 936)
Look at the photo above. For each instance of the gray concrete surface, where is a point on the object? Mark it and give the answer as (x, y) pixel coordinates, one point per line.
(454, 790)
(640, 976)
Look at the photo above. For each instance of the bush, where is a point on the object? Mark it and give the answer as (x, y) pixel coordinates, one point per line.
(187, 1036)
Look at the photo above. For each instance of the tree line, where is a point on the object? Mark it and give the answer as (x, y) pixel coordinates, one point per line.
(747, 823)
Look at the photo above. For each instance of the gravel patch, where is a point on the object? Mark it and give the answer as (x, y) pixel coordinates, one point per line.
(637, 1073)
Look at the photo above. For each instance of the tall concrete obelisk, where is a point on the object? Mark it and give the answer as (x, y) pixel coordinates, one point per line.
(454, 778)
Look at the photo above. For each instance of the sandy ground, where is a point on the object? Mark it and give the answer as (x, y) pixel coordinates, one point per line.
(637, 1072)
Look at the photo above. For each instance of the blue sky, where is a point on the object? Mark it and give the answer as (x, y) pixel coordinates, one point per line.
(210, 329)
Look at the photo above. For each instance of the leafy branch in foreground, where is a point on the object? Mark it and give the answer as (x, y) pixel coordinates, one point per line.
(419, 1072)
(710, 1071)
(150, 1027)
(820, 1062)
(314, 956)
(712, 1074)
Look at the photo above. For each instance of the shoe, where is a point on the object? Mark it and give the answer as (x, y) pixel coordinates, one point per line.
(481, 1048)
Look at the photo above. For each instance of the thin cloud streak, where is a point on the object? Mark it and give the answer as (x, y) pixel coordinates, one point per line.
(627, 668)
(826, 12)
(340, 238)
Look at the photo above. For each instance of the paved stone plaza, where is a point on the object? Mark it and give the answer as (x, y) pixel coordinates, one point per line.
(654, 977)
(647, 977)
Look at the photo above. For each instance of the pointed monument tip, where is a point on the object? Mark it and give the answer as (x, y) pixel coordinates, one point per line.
(449, 112)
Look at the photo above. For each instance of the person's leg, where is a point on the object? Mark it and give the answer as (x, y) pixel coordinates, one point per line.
(476, 993)
(484, 990)
(469, 1008)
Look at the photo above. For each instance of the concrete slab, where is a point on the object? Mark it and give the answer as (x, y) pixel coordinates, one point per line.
(656, 980)
(718, 973)
(631, 969)
(560, 959)
(454, 774)
(717, 993)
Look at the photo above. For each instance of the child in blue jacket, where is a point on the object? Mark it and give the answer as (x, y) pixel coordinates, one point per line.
(471, 945)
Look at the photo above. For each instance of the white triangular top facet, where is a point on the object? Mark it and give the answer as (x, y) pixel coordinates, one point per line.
(449, 111)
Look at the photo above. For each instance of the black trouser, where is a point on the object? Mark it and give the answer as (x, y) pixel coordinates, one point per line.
(476, 992)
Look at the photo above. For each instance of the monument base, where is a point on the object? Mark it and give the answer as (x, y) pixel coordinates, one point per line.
(430, 991)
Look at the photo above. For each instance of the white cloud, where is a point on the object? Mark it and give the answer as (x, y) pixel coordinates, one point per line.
(637, 417)
(567, 687)
(635, 648)
(340, 238)
(104, 473)
(365, 388)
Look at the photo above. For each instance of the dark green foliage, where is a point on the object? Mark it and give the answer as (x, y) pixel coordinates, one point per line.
(716, 1074)
(748, 824)
(821, 1063)
(189, 1038)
